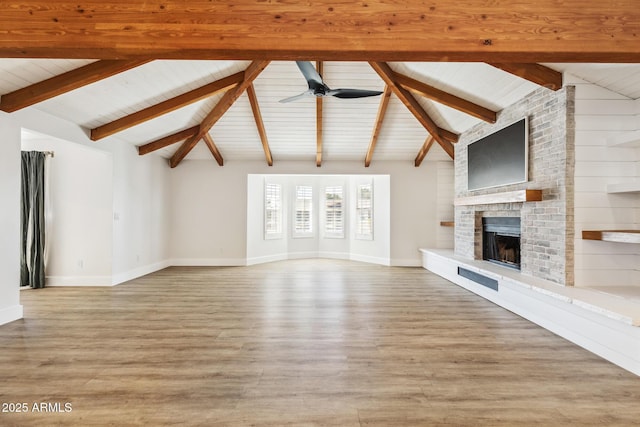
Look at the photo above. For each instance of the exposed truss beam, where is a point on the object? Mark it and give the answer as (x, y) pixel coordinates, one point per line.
(167, 140)
(402, 30)
(536, 73)
(428, 143)
(389, 77)
(446, 98)
(212, 147)
(64, 83)
(167, 106)
(253, 100)
(320, 68)
(227, 100)
(382, 110)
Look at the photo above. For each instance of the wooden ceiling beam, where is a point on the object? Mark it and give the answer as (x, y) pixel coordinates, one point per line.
(428, 143)
(253, 100)
(536, 73)
(382, 110)
(403, 30)
(449, 136)
(320, 68)
(64, 83)
(389, 77)
(446, 98)
(213, 148)
(167, 140)
(167, 106)
(227, 100)
(186, 147)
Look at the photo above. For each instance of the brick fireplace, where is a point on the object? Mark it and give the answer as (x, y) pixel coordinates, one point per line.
(546, 240)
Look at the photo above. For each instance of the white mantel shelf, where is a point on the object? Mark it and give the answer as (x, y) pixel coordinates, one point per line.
(507, 197)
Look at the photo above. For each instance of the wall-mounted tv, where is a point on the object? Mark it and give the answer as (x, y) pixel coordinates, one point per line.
(500, 158)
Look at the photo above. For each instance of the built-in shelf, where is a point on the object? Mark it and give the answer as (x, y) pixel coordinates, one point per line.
(447, 224)
(628, 139)
(507, 197)
(624, 187)
(620, 236)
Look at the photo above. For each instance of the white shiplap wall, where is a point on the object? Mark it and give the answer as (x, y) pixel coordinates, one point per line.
(444, 202)
(602, 114)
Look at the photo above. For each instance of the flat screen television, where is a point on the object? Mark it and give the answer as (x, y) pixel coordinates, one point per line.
(500, 158)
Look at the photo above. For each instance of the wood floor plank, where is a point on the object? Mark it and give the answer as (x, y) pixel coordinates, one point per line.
(305, 342)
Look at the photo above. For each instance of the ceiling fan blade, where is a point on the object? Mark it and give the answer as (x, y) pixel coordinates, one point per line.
(353, 93)
(310, 74)
(296, 97)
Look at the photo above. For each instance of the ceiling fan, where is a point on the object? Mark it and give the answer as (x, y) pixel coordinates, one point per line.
(319, 89)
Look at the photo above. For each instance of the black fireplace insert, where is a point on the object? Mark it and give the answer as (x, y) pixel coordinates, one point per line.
(501, 241)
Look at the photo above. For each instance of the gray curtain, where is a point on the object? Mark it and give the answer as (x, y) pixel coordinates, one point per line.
(32, 220)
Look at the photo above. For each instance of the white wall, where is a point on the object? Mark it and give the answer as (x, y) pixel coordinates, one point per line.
(208, 213)
(81, 193)
(209, 209)
(416, 194)
(445, 211)
(141, 214)
(141, 196)
(10, 308)
(600, 115)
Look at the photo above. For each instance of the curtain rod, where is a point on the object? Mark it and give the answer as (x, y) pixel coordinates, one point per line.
(47, 153)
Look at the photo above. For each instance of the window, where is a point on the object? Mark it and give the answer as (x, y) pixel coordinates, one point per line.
(272, 211)
(333, 212)
(364, 212)
(303, 222)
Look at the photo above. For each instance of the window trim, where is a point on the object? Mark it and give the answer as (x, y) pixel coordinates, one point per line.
(334, 234)
(294, 223)
(279, 233)
(358, 234)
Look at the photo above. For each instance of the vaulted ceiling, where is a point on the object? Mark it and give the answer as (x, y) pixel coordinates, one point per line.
(209, 87)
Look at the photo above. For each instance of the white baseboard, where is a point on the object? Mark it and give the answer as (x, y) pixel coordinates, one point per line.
(9, 314)
(208, 262)
(323, 254)
(265, 259)
(53, 281)
(406, 262)
(125, 276)
(334, 255)
(302, 255)
(370, 259)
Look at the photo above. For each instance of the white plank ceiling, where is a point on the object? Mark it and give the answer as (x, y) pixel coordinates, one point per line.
(347, 123)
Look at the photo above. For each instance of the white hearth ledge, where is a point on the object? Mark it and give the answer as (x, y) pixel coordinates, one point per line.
(604, 324)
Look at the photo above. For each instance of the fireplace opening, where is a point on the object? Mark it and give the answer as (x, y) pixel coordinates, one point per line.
(501, 241)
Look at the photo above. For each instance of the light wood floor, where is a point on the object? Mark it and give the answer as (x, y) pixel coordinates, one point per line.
(321, 342)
